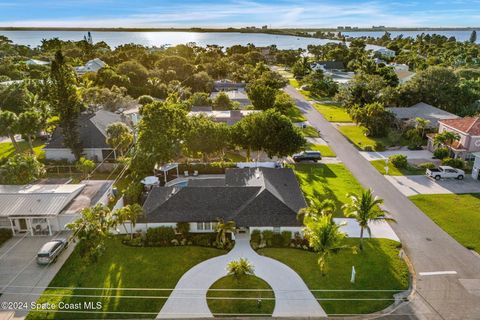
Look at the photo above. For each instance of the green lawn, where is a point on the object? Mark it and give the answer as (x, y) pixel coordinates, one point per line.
(324, 149)
(7, 149)
(457, 214)
(378, 267)
(122, 267)
(295, 115)
(239, 307)
(294, 83)
(394, 171)
(327, 181)
(333, 113)
(310, 132)
(356, 135)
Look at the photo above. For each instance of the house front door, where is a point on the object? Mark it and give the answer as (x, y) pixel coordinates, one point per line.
(22, 225)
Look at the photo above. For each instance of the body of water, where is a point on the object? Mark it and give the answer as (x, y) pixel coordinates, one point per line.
(459, 35)
(157, 38)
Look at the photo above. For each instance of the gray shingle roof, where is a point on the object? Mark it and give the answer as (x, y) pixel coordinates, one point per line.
(250, 197)
(92, 130)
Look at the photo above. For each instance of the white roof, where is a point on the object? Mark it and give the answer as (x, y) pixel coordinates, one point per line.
(91, 66)
(37, 62)
(232, 94)
(37, 199)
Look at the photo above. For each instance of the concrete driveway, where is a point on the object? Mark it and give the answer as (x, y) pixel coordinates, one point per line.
(292, 296)
(411, 154)
(21, 278)
(412, 185)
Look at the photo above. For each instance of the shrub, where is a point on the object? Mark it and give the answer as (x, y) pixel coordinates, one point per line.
(256, 236)
(161, 236)
(441, 153)
(455, 163)
(368, 148)
(5, 234)
(398, 161)
(287, 238)
(145, 99)
(183, 228)
(427, 165)
(379, 146)
(277, 240)
(203, 239)
(132, 193)
(267, 236)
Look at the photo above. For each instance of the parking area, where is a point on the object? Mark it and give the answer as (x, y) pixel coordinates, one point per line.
(413, 185)
(21, 278)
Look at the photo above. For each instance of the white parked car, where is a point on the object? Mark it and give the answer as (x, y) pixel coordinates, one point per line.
(445, 172)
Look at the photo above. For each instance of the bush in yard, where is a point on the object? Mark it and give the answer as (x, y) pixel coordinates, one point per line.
(427, 165)
(441, 153)
(161, 236)
(267, 236)
(183, 228)
(277, 240)
(368, 148)
(287, 238)
(398, 160)
(132, 193)
(203, 239)
(455, 163)
(379, 146)
(5, 234)
(255, 238)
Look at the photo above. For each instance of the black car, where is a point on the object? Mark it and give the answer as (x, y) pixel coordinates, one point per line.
(307, 156)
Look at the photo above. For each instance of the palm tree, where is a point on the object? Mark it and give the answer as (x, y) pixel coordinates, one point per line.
(239, 268)
(222, 228)
(325, 237)
(446, 138)
(317, 209)
(421, 125)
(129, 213)
(365, 209)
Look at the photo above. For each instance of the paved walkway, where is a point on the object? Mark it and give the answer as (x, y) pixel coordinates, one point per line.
(411, 154)
(412, 185)
(292, 297)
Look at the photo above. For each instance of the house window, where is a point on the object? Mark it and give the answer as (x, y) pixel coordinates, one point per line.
(200, 226)
(207, 226)
(276, 229)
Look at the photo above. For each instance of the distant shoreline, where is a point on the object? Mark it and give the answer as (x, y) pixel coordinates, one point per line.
(286, 31)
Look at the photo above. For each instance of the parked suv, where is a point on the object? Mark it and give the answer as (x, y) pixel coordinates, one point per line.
(307, 156)
(50, 251)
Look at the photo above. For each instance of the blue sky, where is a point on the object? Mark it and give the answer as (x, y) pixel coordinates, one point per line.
(275, 13)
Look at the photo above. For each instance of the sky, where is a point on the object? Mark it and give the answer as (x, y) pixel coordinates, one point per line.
(239, 13)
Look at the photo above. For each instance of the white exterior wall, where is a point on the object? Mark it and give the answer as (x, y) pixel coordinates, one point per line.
(66, 154)
(476, 168)
(293, 230)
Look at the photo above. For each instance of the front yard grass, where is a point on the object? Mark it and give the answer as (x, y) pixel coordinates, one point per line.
(333, 113)
(237, 306)
(456, 214)
(324, 149)
(295, 115)
(7, 150)
(327, 181)
(394, 171)
(294, 83)
(310, 132)
(378, 267)
(122, 267)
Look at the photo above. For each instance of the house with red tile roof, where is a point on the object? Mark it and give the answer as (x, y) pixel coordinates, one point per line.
(468, 129)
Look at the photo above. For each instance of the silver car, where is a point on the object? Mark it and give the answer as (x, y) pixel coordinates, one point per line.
(50, 251)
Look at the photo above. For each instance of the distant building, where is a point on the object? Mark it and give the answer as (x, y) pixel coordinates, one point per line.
(91, 66)
(385, 52)
(399, 66)
(37, 62)
(239, 96)
(229, 117)
(228, 85)
(327, 65)
(334, 70)
(421, 110)
(92, 129)
(404, 76)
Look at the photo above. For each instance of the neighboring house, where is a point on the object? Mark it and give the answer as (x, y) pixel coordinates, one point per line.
(37, 62)
(385, 52)
(399, 66)
(43, 209)
(469, 131)
(239, 96)
(327, 65)
(421, 110)
(132, 116)
(254, 198)
(229, 117)
(92, 129)
(228, 85)
(404, 75)
(91, 66)
(334, 70)
(476, 166)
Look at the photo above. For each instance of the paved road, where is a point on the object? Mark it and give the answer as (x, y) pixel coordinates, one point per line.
(413, 185)
(292, 296)
(429, 247)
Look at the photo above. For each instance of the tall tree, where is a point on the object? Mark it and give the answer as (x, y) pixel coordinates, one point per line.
(9, 127)
(129, 213)
(30, 123)
(374, 117)
(365, 209)
(119, 136)
(206, 136)
(473, 36)
(64, 99)
(262, 96)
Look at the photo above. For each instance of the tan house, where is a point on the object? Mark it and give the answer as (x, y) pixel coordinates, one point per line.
(469, 131)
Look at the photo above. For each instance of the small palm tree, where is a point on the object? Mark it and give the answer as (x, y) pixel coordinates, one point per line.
(446, 138)
(239, 268)
(421, 125)
(317, 209)
(223, 228)
(129, 213)
(325, 237)
(365, 209)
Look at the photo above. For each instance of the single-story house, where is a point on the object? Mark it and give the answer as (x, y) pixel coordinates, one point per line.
(92, 129)
(327, 65)
(385, 52)
(227, 85)
(421, 110)
(254, 198)
(229, 117)
(404, 75)
(476, 166)
(91, 66)
(239, 96)
(468, 129)
(42, 209)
